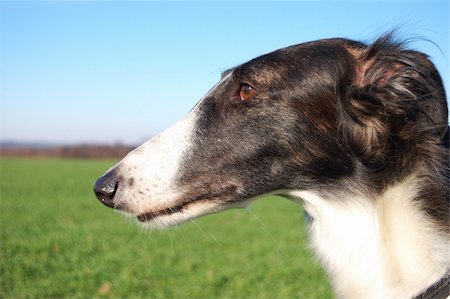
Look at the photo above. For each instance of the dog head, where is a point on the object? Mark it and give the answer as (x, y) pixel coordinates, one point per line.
(305, 117)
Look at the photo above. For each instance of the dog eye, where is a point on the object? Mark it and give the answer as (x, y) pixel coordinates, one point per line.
(246, 92)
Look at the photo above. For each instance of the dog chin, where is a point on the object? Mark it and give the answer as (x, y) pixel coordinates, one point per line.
(170, 217)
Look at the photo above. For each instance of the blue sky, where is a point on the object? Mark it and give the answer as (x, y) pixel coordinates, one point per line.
(106, 72)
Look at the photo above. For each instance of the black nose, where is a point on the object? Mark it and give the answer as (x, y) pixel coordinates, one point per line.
(105, 188)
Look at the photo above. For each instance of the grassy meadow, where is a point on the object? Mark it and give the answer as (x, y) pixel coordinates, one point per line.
(58, 241)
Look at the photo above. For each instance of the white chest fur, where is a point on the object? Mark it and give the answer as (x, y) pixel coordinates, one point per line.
(383, 247)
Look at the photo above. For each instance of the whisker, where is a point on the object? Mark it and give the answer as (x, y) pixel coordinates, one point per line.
(262, 225)
(203, 232)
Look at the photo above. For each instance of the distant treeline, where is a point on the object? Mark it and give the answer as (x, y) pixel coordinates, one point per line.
(68, 151)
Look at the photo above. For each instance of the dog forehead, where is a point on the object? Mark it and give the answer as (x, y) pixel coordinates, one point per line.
(262, 71)
(273, 67)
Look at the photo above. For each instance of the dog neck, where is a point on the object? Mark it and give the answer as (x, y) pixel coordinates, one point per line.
(377, 247)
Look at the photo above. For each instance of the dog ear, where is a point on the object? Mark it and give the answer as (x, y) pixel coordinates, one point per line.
(393, 102)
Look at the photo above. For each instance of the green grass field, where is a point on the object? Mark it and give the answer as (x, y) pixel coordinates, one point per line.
(58, 241)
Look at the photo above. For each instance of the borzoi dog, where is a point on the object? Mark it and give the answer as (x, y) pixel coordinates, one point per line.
(356, 133)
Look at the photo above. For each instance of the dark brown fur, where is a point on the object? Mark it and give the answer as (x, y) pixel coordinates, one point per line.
(327, 116)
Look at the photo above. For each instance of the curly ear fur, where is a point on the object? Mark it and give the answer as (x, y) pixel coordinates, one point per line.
(392, 104)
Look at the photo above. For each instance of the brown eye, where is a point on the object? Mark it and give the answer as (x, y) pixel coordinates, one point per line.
(246, 92)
